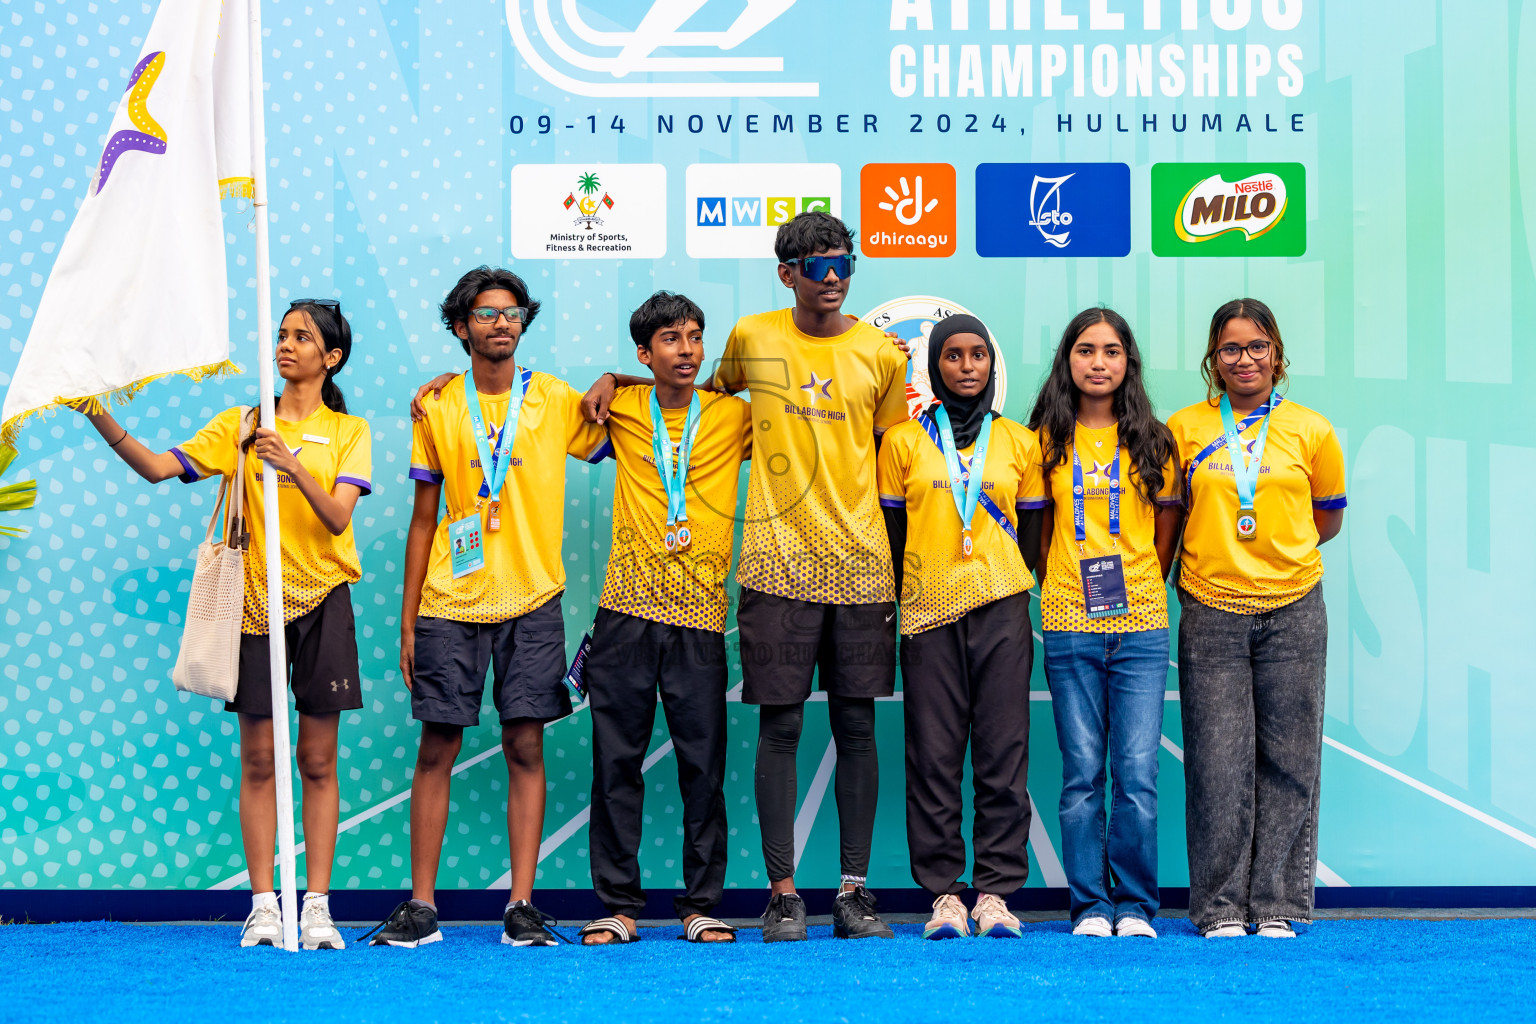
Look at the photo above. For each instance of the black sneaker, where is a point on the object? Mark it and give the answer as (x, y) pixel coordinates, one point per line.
(784, 920)
(527, 925)
(854, 916)
(409, 925)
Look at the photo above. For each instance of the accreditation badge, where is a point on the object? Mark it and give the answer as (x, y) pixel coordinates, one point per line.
(1247, 525)
(967, 545)
(1103, 586)
(465, 545)
(684, 536)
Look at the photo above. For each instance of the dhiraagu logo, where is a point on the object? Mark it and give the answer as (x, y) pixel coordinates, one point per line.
(1229, 209)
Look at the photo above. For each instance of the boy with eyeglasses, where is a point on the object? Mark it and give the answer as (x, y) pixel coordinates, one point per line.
(817, 592)
(483, 586)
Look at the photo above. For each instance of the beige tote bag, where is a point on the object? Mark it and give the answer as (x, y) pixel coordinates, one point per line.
(209, 662)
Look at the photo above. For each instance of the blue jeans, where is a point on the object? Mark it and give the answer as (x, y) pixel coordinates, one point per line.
(1107, 693)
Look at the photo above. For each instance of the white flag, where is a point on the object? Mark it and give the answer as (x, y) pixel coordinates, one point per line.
(139, 289)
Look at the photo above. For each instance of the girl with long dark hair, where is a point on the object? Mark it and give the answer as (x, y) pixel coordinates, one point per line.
(1107, 542)
(966, 648)
(1265, 486)
(324, 460)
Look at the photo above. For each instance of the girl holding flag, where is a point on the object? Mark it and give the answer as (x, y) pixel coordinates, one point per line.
(324, 462)
(1264, 483)
(1108, 541)
(963, 476)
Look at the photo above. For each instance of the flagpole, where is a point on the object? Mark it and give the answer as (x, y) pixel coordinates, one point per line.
(281, 754)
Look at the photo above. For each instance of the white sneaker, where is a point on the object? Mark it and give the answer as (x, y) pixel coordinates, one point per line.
(1277, 929)
(1132, 926)
(316, 929)
(994, 920)
(949, 919)
(264, 927)
(1227, 931)
(1095, 926)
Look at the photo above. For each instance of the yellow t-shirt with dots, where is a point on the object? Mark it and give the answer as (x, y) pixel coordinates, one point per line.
(1061, 595)
(813, 529)
(523, 568)
(686, 588)
(939, 585)
(1303, 469)
(334, 448)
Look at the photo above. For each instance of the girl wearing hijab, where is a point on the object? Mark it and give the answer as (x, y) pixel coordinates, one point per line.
(1108, 540)
(323, 459)
(954, 484)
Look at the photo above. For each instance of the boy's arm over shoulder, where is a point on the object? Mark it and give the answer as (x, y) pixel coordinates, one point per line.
(730, 374)
(584, 439)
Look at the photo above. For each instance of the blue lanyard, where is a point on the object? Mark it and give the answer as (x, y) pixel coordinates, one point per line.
(661, 447)
(493, 467)
(1246, 474)
(1078, 518)
(966, 495)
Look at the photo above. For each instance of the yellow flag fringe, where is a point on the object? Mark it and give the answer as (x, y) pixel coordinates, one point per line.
(10, 430)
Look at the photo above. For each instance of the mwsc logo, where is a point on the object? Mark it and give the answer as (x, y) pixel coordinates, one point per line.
(572, 55)
(1229, 209)
(735, 210)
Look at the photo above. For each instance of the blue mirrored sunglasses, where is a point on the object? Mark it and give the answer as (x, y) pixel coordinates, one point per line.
(816, 267)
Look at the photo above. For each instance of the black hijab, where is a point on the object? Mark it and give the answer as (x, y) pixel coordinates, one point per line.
(966, 415)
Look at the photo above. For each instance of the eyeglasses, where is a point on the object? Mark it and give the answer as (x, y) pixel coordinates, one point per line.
(489, 314)
(327, 303)
(1233, 354)
(815, 267)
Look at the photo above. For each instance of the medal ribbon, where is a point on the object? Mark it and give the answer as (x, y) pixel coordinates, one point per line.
(672, 481)
(1079, 523)
(494, 466)
(1245, 474)
(1210, 449)
(966, 495)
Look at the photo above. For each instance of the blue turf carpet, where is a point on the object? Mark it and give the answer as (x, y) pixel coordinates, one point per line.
(1336, 971)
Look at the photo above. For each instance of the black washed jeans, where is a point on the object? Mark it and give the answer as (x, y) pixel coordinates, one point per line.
(1252, 703)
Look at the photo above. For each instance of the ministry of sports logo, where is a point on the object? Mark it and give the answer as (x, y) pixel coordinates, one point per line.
(576, 56)
(588, 206)
(588, 211)
(911, 318)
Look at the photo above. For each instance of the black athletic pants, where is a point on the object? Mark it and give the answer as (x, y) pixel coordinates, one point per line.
(631, 659)
(969, 682)
(857, 782)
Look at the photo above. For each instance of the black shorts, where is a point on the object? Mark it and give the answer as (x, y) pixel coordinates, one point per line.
(322, 662)
(850, 648)
(527, 653)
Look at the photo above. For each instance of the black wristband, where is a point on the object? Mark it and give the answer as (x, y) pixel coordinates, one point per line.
(114, 444)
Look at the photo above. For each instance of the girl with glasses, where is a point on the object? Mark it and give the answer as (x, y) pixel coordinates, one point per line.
(1264, 485)
(1107, 543)
(324, 460)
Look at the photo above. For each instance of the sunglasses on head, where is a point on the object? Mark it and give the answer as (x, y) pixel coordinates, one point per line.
(816, 267)
(327, 303)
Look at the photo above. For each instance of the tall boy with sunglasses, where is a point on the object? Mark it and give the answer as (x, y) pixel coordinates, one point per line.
(483, 585)
(817, 596)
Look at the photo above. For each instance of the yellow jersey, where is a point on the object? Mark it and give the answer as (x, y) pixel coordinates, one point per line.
(686, 588)
(334, 448)
(939, 585)
(813, 529)
(523, 568)
(1061, 595)
(1303, 469)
